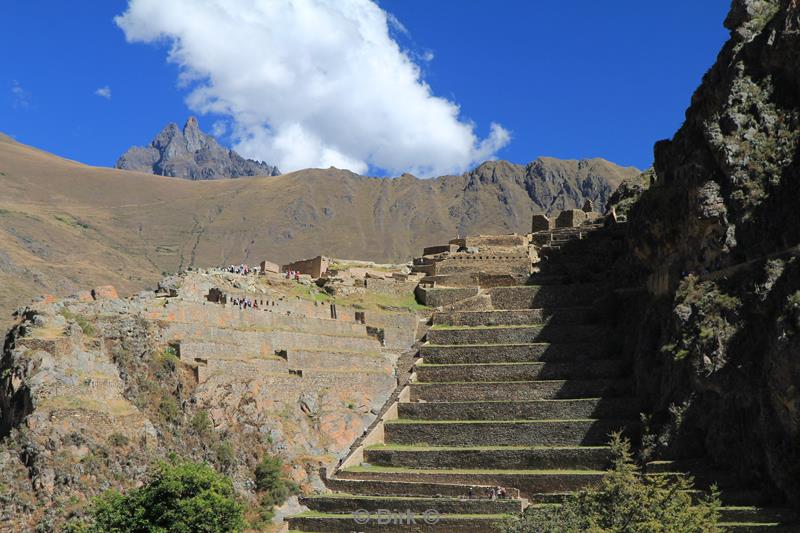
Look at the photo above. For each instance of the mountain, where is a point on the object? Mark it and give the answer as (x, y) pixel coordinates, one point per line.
(716, 240)
(191, 154)
(65, 226)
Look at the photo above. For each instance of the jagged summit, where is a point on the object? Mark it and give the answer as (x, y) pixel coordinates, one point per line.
(549, 184)
(190, 153)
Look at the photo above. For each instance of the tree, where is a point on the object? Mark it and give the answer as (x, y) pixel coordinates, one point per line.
(181, 497)
(626, 501)
(272, 485)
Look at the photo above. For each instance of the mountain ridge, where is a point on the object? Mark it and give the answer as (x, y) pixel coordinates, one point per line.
(65, 226)
(192, 154)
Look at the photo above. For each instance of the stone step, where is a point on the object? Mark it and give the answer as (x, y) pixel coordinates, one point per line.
(389, 487)
(704, 476)
(526, 481)
(541, 278)
(590, 432)
(348, 503)
(517, 317)
(501, 457)
(758, 527)
(602, 368)
(441, 296)
(312, 522)
(730, 498)
(571, 272)
(514, 391)
(757, 514)
(516, 334)
(511, 353)
(471, 279)
(741, 519)
(627, 408)
(536, 296)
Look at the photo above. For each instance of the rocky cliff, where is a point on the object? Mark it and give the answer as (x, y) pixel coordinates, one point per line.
(715, 242)
(191, 154)
(94, 388)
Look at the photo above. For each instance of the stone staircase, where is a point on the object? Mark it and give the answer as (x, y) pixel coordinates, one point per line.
(522, 394)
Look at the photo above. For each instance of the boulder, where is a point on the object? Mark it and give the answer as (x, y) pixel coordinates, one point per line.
(105, 292)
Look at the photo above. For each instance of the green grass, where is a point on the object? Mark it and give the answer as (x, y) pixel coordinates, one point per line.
(345, 265)
(513, 363)
(308, 292)
(382, 301)
(426, 448)
(438, 383)
(368, 300)
(71, 221)
(83, 323)
(370, 497)
(406, 421)
(446, 327)
(749, 524)
(515, 471)
(486, 345)
(349, 516)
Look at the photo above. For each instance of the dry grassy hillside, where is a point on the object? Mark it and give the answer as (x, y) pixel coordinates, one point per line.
(65, 226)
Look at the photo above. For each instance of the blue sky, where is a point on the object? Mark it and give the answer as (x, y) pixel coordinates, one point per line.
(566, 79)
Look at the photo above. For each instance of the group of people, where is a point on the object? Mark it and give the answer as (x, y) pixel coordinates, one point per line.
(494, 493)
(293, 274)
(242, 269)
(245, 303)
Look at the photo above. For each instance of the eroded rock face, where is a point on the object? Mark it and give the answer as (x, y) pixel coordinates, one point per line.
(92, 392)
(712, 240)
(191, 154)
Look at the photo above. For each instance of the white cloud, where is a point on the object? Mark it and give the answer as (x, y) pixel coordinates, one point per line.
(311, 83)
(395, 23)
(219, 128)
(21, 99)
(104, 92)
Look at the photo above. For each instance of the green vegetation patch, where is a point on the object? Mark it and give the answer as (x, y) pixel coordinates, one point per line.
(71, 221)
(515, 471)
(625, 501)
(707, 319)
(86, 326)
(181, 496)
(273, 487)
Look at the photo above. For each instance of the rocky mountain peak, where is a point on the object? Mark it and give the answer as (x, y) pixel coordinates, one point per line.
(192, 154)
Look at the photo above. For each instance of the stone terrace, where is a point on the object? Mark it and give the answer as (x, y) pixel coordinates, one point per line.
(312, 374)
(517, 386)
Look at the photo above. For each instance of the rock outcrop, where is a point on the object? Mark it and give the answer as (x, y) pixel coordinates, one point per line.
(715, 242)
(551, 185)
(94, 390)
(191, 154)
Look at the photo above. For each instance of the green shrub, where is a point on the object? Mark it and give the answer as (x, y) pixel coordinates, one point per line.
(182, 497)
(201, 423)
(273, 487)
(625, 501)
(226, 455)
(83, 323)
(169, 409)
(167, 361)
(118, 440)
